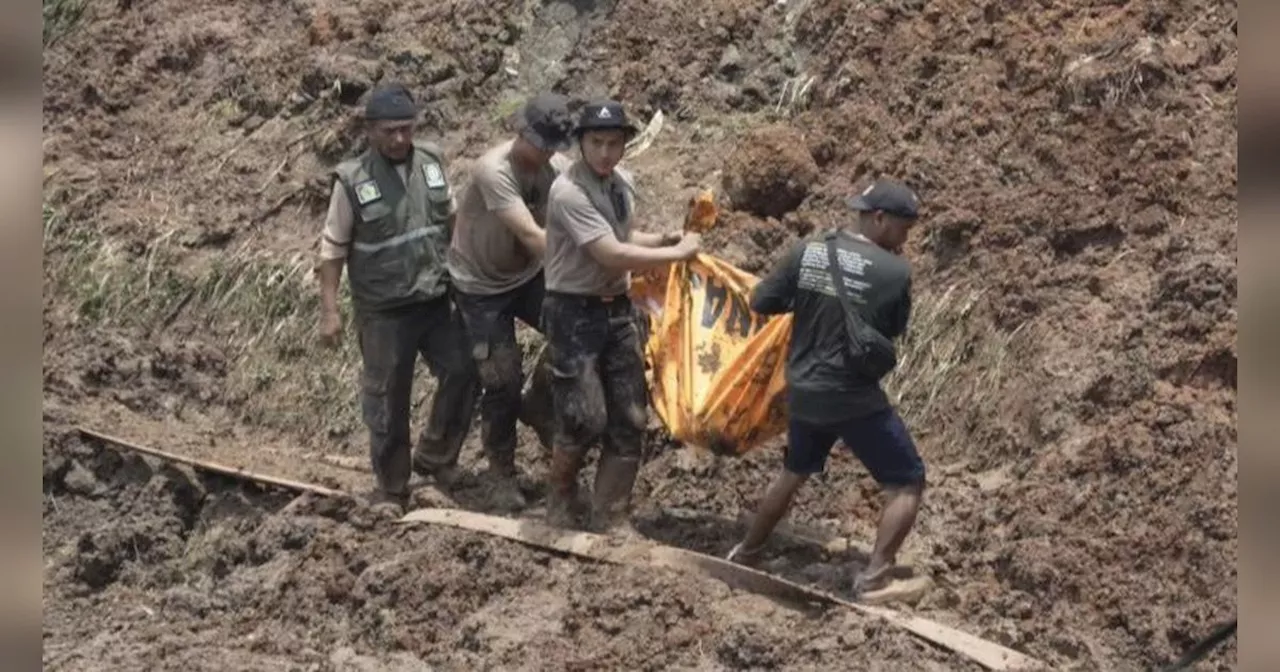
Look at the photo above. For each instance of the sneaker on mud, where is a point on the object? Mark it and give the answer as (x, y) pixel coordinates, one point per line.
(743, 556)
(868, 581)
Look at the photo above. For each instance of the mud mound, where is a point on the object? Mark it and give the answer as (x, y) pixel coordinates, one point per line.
(770, 172)
(199, 573)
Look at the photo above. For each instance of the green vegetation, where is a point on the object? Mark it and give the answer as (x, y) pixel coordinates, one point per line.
(949, 354)
(259, 308)
(61, 17)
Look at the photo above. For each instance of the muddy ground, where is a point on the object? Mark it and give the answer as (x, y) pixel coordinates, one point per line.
(1077, 164)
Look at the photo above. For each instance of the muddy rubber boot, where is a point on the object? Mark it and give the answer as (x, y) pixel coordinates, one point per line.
(388, 504)
(611, 497)
(562, 490)
(507, 495)
(504, 484)
(427, 463)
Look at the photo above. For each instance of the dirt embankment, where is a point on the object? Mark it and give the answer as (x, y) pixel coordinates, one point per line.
(1077, 167)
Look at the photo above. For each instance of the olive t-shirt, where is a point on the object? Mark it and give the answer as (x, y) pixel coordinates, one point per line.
(582, 209)
(485, 256)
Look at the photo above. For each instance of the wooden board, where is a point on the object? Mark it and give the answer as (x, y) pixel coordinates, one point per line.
(233, 472)
(643, 553)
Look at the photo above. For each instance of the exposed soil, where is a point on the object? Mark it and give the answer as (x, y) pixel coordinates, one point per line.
(156, 567)
(1076, 161)
(770, 172)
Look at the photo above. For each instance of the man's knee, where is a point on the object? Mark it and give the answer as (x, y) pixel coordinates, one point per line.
(498, 368)
(625, 425)
(379, 404)
(576, 424)
(578, 403)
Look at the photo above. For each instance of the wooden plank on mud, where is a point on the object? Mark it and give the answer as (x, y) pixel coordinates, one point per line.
(644, 553)
(233, 472)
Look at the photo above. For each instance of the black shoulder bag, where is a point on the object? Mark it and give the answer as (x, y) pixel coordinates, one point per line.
(870, 352)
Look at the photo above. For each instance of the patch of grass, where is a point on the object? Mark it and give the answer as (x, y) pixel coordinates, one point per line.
(505, 109)
(260, 309)
(794, 97)
(1122, 74)
(61, 17)
(949, 353)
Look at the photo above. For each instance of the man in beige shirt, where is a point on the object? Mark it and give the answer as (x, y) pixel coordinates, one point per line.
(496, 264)
(598, 382)
(389, 220)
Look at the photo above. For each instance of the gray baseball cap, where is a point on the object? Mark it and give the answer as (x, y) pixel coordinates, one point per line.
(545, 122)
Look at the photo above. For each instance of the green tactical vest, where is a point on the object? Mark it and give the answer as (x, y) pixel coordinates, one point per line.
(400, 233)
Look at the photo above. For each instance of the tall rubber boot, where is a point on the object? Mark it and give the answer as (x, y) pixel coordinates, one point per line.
(504, 484)
(611, 498)
(562, 491)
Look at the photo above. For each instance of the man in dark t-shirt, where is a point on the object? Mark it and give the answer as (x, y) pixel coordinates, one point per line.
(828, 397)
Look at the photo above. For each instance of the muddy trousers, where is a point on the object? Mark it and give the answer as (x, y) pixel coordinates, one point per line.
(491, 328)
(599, 393)
(390, 343)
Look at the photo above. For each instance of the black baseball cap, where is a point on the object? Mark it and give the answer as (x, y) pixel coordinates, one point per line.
(546, 123)
(604, 115)
(390, 102)
(888, 196)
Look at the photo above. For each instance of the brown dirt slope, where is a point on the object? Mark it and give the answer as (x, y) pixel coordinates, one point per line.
(1077, 163)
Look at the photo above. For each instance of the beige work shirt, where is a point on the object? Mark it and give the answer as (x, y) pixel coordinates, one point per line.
(574, 221)
(485, 257)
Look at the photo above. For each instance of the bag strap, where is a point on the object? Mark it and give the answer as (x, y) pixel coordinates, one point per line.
(837, 275)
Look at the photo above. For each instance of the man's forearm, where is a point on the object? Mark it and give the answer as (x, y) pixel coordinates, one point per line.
(770, 305)
(634, 257)
(522, 225)
(535, 240)
(767, 299)
(330, 276)
(646, 239)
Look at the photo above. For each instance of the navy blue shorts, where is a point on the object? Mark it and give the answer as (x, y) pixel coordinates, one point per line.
(880, 441)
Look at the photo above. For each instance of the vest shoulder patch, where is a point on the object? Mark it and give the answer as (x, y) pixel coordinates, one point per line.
(367, 192)
(435, 177)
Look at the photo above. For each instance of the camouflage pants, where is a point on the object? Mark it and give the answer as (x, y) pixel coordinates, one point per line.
(491, 326)
(390, 343)
(597, 374)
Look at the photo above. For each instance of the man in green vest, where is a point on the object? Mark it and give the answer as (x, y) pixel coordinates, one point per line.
(597, 369)
(390, 219)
